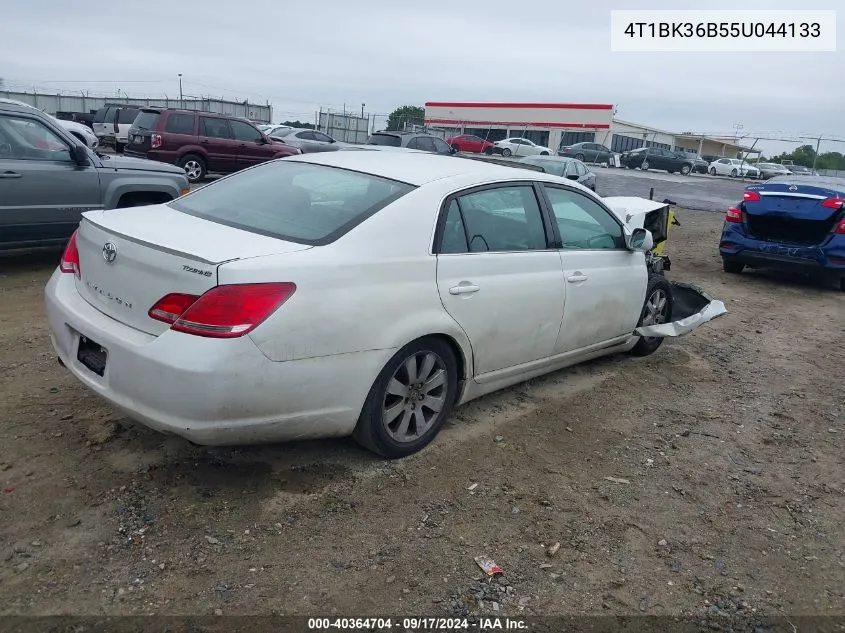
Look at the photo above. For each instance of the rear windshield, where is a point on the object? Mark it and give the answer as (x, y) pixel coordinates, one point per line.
(100, 116)
(293, 201)
(127, 115)
(146, 120)
(385, 139)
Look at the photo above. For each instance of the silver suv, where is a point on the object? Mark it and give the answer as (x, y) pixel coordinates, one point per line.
(48, 179)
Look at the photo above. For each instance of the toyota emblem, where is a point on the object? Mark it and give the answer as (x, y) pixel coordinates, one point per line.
(109, 252)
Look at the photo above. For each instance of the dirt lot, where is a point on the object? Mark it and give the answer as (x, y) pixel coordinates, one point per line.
(725, 448)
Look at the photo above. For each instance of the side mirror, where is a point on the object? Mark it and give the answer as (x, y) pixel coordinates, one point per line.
(640, 240)
(262, 140)
(79, 155)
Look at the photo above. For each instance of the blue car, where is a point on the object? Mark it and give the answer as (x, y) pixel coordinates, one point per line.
(790, 223)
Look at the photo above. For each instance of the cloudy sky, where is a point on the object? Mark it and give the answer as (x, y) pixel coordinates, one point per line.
(386, 53)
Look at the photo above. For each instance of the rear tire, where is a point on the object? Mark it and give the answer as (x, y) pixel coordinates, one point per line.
(456, 148)
(506, 152)
(734, 173)
(644, 166)
(657, 308)
(579, 156)
(194, 167)
(489, 151)
(733, 268)
(380, 428)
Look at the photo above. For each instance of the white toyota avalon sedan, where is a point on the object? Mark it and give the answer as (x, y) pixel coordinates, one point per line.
(363, 293)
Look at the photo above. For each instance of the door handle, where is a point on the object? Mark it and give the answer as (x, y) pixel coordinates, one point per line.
(10, 174)
(463, 289)
(575, 278)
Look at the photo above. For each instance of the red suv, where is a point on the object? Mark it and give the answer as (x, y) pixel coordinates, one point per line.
(201, 142)
(470, 143)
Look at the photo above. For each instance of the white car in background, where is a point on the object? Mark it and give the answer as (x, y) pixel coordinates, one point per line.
(80, 131)
(516, 146)
(360, 293)
(733, 167)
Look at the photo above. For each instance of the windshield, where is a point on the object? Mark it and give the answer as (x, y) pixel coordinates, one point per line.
(293, 201)
(388, 140)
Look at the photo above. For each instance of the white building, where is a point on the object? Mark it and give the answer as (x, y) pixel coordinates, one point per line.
(558, 124)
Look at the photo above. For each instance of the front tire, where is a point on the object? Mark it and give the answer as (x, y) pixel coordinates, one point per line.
(410, 399)
(579, 156)
(489, 151)
(712, 171)
(194, 167)
(506, 152)
(456, 148)
(685, 170)
(656, 309)
(734, 173)
(733, 268)
(644, 166)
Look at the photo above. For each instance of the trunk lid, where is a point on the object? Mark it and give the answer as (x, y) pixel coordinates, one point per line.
(130, 258)
(789, 210)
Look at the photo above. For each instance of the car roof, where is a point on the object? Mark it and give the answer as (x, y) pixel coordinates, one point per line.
(417, 168)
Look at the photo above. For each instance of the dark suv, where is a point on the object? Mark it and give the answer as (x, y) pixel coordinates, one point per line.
(201, 142)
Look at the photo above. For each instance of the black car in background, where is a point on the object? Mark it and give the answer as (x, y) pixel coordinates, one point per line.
(587, 152)
(658, 158)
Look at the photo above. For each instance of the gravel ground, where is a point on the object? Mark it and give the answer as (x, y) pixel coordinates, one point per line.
(705, 480)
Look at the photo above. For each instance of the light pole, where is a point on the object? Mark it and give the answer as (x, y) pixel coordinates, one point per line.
(362, 110)
(181, 100)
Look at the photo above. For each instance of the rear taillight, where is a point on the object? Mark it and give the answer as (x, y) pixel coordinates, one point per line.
(70, 258)
(839, 229)
(224, 311)
(751, 196)
(170, 307)
(733, 215)
(155, 140)
(833, 203)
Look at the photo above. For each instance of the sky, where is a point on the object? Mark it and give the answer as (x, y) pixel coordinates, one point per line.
(386, 53)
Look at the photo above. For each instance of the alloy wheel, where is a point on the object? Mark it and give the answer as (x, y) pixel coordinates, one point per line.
(415, 396)
(193, 170)
(655, 309)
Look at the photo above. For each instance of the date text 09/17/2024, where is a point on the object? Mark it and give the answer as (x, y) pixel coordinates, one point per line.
(417, 624)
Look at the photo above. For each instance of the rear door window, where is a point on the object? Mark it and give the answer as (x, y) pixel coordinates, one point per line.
(213, 127)
(110, 114)
(244, 131)
(426, 144)
(178, 124)
(100, 115)
(297, 202)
